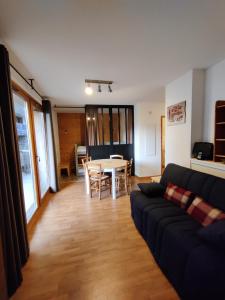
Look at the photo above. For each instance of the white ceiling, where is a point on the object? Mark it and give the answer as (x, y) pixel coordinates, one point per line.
(140, 44)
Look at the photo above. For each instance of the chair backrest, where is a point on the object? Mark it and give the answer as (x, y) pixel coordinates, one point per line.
(129, 167)
(116, 156)
(94, 170)
(85, 160)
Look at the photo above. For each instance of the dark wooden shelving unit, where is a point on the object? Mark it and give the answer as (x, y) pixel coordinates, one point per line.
(219, 151)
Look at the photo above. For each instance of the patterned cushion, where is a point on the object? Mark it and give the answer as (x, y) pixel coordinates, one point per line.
(204, 213)
(178, 195)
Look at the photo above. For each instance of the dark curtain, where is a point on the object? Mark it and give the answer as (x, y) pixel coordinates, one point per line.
(47, 109)
(12, 209)
(3, 288)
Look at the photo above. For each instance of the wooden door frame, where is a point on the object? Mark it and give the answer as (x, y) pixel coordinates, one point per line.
(31, 101)
(161, 126)
(34, 104)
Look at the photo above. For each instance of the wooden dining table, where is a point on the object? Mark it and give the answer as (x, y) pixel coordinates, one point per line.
(110, 166)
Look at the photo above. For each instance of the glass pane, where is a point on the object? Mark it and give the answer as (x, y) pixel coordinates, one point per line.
(115, 117)
(92, 125)
(24, 142)
(122, 126)
(100, 128)
(129, 126)
(106, 126)
(39, 126)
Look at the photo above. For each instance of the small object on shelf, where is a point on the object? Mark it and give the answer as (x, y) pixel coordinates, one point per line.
(199, 156)
(219, 152)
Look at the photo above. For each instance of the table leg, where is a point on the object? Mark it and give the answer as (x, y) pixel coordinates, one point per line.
(114, 183)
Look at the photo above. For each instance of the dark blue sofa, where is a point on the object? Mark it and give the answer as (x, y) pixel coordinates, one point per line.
(195, 268)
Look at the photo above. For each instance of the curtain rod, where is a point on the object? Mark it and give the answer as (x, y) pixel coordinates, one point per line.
(29, 83)
(58, 106)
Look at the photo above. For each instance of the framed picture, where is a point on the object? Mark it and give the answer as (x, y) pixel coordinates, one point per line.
(176, 114)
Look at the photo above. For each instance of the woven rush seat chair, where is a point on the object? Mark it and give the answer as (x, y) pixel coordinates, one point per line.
(98, 181)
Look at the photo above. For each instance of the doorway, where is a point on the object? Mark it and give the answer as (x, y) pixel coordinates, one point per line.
(163, 123)
(23, 128)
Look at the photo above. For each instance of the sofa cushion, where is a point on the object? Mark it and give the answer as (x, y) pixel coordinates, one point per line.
(152, 219)
(152, 189)
(177, 241)
(214, 234)
(204, 213)
(178, 195)
(139, 201)
(204, 277)
(177, 175)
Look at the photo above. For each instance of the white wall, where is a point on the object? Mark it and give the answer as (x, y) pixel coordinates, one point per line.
(214, 90)
(147, 122)
(17, 79)
(180, 138)
(198, 99)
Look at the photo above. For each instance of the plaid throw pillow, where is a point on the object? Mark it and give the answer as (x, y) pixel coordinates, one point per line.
(178, 195)
(204, 213)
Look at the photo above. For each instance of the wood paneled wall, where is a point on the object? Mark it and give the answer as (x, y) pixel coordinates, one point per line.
(71, 132)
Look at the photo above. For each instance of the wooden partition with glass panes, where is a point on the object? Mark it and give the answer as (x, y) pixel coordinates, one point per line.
(110, 130)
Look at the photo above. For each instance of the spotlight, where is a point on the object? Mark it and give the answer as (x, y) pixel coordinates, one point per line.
(99, 88)
(88, 90)
(109, 87)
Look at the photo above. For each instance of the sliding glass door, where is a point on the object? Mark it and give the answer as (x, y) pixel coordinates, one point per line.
(41, 150)
(26, 154)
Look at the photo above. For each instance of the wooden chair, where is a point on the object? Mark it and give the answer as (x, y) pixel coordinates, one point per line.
(85, 160)
(116, 156)
(129, 175)
(124, 177)
(98, 181)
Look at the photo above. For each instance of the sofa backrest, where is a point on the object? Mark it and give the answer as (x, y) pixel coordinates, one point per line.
(209, 187)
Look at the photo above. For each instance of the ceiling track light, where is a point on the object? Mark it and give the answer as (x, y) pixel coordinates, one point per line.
(88, 89)
(89, 82)
(110, 89)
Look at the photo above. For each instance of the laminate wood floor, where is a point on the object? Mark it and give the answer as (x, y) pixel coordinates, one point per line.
(83, 248)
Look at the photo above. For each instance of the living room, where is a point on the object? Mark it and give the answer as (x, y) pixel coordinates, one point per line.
(112, 150)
